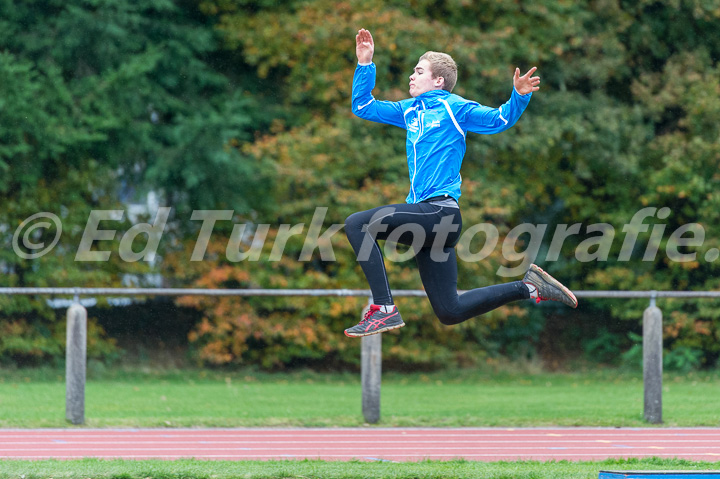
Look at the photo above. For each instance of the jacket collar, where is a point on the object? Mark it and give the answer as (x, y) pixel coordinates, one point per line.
(430, 98)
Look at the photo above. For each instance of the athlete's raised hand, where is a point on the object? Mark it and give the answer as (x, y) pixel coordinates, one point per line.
(364, 46)
(526, 84)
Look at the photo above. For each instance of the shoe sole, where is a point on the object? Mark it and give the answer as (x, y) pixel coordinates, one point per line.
(377, 331)
(555, 283)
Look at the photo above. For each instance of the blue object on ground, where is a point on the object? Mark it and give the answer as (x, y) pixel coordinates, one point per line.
(659, 474)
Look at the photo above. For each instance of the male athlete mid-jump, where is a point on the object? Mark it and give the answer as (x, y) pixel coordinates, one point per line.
(437, 122)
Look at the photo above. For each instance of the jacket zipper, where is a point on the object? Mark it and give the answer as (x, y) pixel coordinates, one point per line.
(420, 132)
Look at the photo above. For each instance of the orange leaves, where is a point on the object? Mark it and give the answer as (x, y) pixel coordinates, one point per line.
(704, 328)
(233, 333)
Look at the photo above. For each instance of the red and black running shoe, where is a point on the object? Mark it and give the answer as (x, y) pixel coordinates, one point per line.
(548, 288)
(376, 321)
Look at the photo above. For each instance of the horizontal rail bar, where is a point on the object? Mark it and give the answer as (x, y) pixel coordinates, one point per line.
(190, 292)
(315, 292)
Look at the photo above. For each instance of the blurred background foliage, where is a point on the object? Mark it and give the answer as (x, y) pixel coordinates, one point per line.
(244, 105)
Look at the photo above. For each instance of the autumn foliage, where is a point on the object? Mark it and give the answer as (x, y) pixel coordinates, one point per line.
(245, 106)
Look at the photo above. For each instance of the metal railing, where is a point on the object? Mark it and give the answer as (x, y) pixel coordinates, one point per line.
(371, 358)
(317, 292)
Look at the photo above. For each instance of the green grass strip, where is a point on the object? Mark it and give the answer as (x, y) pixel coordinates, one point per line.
(30, 399)
(191, 469)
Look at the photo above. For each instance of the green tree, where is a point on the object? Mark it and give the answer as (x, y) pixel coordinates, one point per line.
(624, 120)
(101, 103)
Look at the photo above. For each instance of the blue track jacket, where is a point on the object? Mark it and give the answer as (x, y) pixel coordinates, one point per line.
(437, 123)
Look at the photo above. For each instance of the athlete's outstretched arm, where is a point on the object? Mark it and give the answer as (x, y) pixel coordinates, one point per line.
(485, 120)
(364, 104)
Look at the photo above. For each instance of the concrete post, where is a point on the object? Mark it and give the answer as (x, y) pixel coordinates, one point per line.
(371, 372)
(653, 362)
(75, 364)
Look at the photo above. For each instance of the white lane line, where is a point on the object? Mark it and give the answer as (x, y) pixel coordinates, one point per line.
(373, 443)
(95, 450)
(494, 457)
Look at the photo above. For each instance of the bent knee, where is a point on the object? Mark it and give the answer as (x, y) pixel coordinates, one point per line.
(353, 223)
(351, 220)
(356, 220)
(448, 317)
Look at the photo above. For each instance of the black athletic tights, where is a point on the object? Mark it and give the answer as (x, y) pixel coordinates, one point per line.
(432, 231)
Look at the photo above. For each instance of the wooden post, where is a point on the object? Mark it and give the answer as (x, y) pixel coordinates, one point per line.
(75, 364)
(653, 362)
(371, 372)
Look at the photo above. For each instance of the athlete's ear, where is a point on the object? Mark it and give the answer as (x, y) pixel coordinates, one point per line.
(439, 82)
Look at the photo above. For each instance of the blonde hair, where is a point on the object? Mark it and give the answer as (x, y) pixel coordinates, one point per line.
(442, 65)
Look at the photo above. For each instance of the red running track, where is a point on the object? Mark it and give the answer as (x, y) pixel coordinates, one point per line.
(369, 444)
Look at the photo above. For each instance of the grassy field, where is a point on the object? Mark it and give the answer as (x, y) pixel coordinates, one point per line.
(36, 398)
(189, 469)
(187, 398)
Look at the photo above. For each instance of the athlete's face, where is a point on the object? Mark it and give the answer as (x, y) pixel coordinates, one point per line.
(421, 80)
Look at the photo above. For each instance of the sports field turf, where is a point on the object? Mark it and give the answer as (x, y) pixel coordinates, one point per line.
(461, 398)
(189, 469)
(151, 398)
